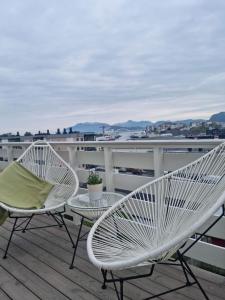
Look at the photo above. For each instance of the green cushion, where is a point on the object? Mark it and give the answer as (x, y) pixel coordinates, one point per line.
(21, 188)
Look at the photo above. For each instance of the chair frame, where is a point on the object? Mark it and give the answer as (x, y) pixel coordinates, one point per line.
(176, 246)
(80, 238)
(55, 212)
(179, 260)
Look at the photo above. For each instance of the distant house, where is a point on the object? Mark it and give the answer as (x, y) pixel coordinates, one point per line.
(70, 137)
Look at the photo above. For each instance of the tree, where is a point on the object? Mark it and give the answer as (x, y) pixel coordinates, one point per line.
(27, 133)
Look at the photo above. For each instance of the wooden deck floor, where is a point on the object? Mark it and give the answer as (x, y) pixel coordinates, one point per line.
(37, 267)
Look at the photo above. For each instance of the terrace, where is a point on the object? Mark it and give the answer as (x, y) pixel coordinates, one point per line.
(38, 262)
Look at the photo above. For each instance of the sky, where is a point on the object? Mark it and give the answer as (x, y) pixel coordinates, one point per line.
(64, 62)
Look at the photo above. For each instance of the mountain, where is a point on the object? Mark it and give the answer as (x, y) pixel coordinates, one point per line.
(97, 127)
(133, 124)
(220, 117)
(189, 121)
(162, 122)
(90, 127)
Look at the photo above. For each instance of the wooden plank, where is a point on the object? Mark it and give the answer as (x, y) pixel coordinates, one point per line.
(44, 271)
(154, 285)
(83, 265)
(44, 249)
(131, 289)
(216, 286)
(49, 241)
(35, 284)
(3, 295)
(14, 288)
(213, 285)
(162, 281)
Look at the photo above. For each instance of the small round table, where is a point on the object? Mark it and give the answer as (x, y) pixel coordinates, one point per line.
(90, 210)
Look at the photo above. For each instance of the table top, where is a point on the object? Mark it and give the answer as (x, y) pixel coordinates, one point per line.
(82, 201)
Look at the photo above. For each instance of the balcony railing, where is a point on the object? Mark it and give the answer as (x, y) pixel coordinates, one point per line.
(127, 165)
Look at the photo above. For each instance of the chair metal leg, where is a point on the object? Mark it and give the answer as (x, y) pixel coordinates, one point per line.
(104, 274)
(187, 272)
(75, 248)
(121, 280)
(24, 229)
(121, 289)
(10, 238)
(183, 268)
(195, 279)
(67, 230)
(115, 287)
(56, 219)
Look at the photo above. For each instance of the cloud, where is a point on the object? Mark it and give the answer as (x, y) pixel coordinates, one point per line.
(95, 60)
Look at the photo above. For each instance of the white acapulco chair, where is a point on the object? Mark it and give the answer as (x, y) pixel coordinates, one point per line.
(42, 160)
(153, 223)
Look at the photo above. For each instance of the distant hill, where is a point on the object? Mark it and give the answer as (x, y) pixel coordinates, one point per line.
(90, 127)
(189, 121)
(162, 122)
(185, 122)
(97, 127)
(133, 124)
(220, 117)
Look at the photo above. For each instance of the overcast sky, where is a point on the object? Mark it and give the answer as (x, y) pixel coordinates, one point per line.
(63, 62)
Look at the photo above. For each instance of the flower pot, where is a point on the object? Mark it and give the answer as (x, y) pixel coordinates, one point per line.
(95, 191)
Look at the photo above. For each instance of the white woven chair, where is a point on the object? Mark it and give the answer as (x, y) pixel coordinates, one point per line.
(153, 222)
(42, 160)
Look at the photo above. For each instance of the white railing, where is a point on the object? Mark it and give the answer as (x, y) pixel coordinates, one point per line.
(136, 156)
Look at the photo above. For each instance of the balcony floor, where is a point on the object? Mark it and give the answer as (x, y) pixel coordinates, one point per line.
(37, 267)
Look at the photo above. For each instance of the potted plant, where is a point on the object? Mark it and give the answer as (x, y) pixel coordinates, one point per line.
(94, 185)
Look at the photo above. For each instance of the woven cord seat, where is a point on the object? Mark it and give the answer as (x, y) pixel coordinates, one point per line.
(154, 221)
(43, 161)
